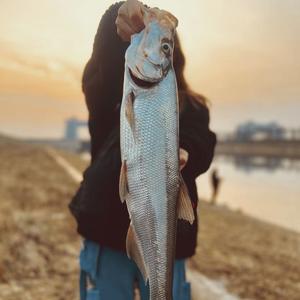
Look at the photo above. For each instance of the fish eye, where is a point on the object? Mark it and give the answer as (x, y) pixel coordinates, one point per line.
(165, 47)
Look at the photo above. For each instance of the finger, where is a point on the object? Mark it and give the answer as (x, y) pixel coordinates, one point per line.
(123, 29)
(182, 164)
(124, 24)
(183, 158)
(135, 14)
(123, 16)
(183, 154)
(182, 161)
(122, 11)
(123, 35)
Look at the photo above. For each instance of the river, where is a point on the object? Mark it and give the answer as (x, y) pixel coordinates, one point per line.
(268, 189)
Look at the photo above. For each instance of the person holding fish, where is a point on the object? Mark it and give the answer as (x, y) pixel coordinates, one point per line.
(156, 193)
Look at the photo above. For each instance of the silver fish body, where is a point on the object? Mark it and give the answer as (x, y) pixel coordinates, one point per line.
(150, 157)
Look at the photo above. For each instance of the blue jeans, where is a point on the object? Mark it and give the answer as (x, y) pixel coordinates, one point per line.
(106, 274)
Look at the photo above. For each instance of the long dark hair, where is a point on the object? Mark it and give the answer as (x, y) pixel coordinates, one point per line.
(179, 65)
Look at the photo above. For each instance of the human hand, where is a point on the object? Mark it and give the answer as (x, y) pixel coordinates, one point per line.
(130, 19)
(183, 158)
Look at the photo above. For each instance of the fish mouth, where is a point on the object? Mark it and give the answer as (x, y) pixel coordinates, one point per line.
(143, 82)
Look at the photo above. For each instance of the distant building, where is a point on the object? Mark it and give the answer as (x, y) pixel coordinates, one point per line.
(71, 128)
(250, 131)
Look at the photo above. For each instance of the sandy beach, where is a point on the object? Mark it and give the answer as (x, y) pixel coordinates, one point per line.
(39, 244)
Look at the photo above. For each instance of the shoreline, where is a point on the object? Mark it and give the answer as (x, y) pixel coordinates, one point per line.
(226, 207)
(268, 149)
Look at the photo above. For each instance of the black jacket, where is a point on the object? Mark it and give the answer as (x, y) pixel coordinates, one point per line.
(99, 213)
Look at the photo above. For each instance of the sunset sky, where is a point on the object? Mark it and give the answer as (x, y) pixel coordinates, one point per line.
(242, 54)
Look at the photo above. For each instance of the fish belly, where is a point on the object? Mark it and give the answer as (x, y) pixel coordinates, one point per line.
(151, 155)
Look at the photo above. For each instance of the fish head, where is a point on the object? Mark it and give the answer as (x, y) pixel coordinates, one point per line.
(150, 54)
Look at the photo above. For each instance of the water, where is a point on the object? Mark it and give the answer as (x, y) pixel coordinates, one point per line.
(268, 189)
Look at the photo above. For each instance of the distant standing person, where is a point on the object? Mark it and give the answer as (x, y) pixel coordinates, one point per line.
(215, 183)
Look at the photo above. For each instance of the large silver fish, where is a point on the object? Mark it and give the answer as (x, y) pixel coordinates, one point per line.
(150, 180)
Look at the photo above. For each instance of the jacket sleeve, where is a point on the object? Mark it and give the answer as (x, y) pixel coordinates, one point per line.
(196, 138)
(103, 79)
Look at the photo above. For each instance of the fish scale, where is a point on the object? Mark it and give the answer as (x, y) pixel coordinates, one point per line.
(147, 160)
(150, 176)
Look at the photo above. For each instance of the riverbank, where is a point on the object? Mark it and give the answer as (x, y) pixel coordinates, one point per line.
(256, 260)
(39, 244)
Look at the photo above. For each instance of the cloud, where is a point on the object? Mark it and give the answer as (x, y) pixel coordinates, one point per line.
(31, 75)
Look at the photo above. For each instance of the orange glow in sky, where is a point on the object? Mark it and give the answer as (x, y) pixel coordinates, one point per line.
(243, 55)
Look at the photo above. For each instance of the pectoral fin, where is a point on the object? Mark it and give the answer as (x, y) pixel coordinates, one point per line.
(185, 209)
(134, 253)
(123, 182)
(129, 112)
